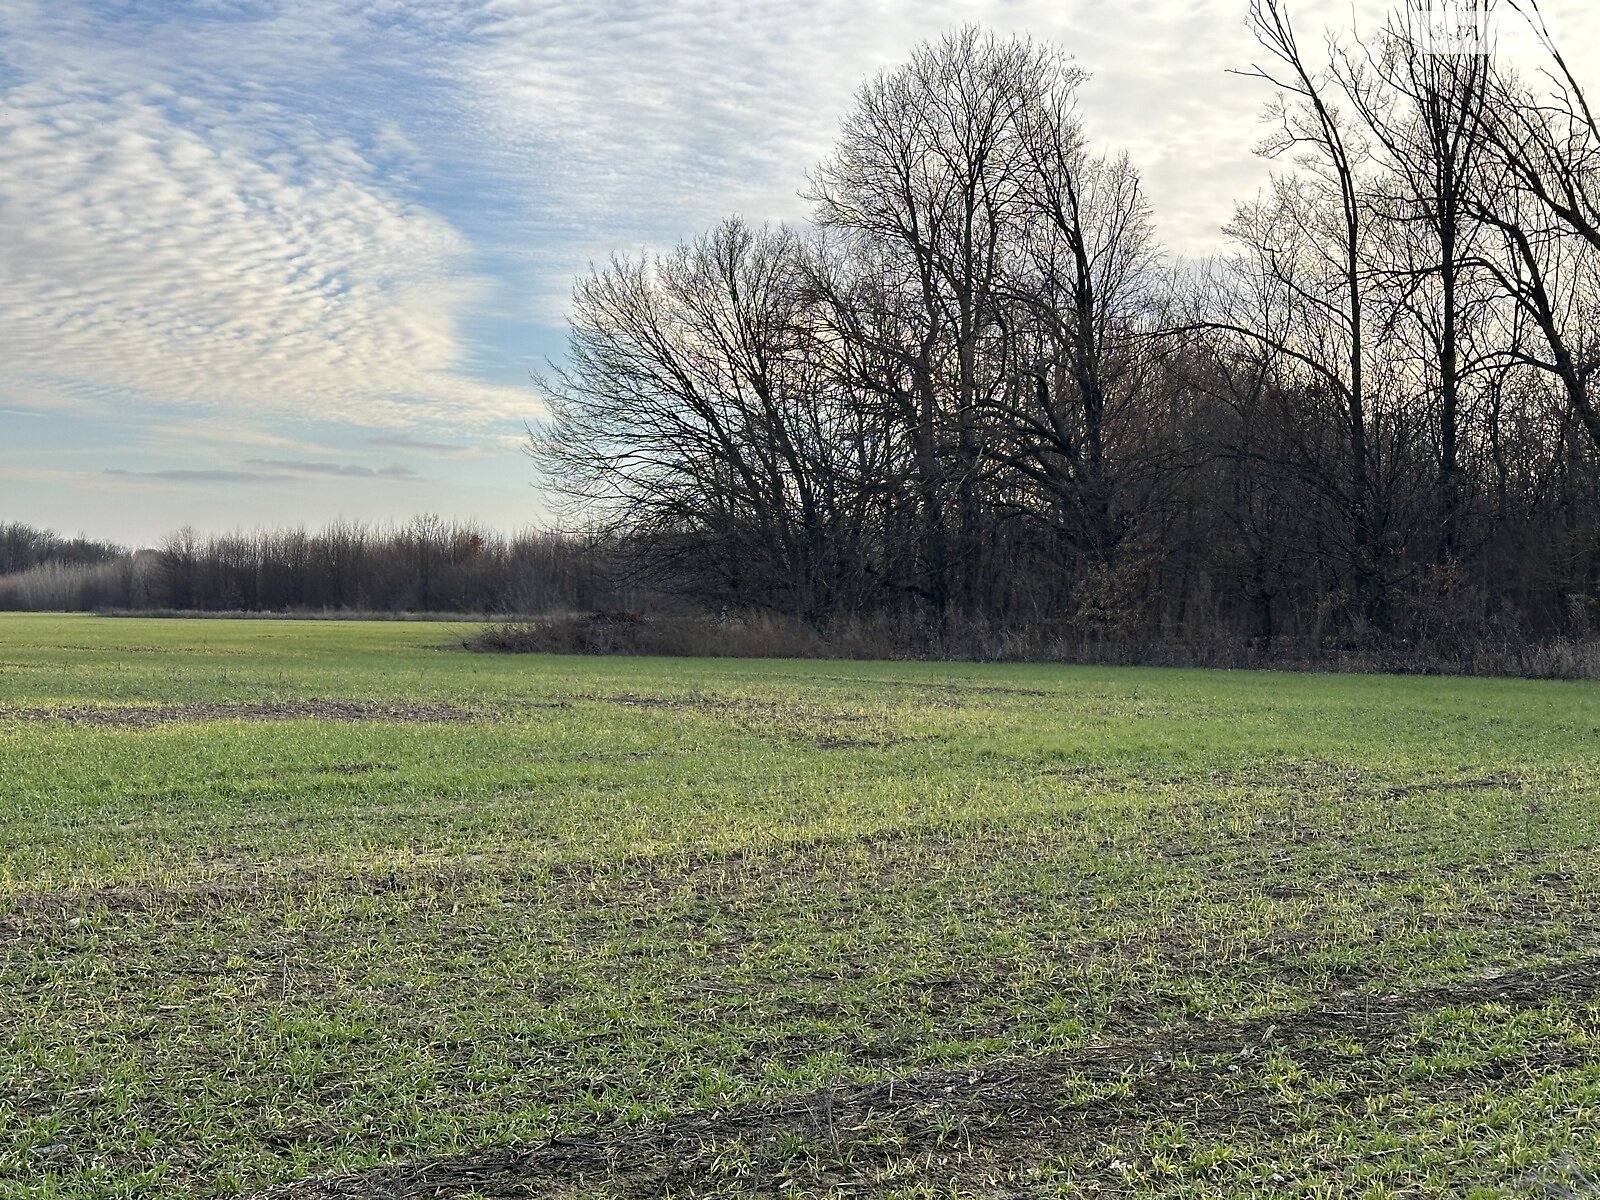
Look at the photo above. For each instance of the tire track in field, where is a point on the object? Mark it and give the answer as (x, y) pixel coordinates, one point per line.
(1005, 1114)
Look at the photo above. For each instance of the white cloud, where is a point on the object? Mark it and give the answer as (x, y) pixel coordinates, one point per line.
(78, 481)
(401, 441)
(212, 434)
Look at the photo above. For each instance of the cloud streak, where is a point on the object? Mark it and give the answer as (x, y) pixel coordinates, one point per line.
(400, 441)
(197, 475)
(270, 470)
(336, 470)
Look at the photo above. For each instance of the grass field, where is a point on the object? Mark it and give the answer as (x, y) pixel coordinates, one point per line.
(329, 910)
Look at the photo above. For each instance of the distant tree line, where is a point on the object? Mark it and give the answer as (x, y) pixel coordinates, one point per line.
(426, 566)
(23, 547)
(974, 388)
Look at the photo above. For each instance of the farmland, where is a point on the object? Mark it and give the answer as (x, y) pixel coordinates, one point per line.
(336, 909)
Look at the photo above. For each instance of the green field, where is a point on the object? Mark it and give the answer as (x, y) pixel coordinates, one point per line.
(296, 901)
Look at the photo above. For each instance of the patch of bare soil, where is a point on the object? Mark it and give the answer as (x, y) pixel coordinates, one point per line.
(934, 685)
(149, 716)
(693, 701)
(973, 1128)
(360, 768)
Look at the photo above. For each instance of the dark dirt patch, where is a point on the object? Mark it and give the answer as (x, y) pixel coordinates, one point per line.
(689, 702)
(1507, 783)
(149, 716)
(934, 685)
(693, 701)
(993, 1118)
(194, 900)
(850, 743)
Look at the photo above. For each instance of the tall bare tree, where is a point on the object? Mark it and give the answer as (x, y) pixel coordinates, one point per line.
(927, 180)
(1427, 113)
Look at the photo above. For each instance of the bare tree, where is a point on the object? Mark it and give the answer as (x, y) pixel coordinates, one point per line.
(978, 389)
(1427, 113)
(1545, 204)
(1080, 304)
(1305, 271)
(694, 411)
(927, 181)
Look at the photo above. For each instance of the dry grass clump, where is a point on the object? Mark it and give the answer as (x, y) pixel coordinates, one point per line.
(959, 639)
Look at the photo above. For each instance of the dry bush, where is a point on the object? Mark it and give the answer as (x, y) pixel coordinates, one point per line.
(913, 636)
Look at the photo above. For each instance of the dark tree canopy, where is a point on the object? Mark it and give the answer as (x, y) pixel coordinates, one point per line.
(974, 385)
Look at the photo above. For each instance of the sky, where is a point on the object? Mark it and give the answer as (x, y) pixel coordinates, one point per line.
(280, 262)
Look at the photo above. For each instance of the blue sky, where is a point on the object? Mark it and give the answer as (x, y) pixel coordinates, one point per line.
(282, 261)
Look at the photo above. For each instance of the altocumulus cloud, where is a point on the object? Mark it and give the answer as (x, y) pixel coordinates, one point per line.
(173, 230)
(270, 470)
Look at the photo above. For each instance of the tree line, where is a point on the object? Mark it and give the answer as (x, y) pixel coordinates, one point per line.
(24, 546)
(428, 565)
(975, 387)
